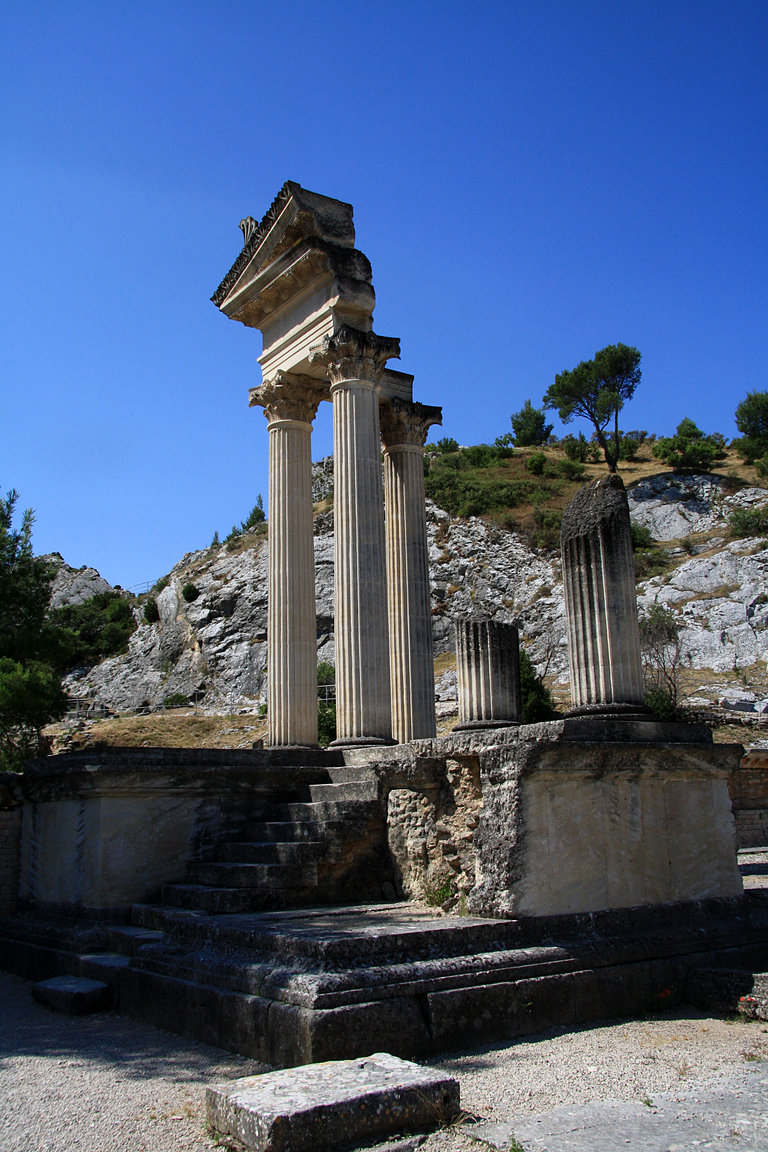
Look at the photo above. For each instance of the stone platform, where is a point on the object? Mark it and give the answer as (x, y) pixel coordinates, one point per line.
(304, 986)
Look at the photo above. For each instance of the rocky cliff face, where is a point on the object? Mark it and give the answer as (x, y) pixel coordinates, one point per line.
(215, 646)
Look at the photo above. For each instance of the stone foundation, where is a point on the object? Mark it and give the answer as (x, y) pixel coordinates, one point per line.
(749, 795)
(569, 816)
(101, 831)
(10, 837)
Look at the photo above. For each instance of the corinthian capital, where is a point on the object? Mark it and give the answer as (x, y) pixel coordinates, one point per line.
(289, 396)
(405, 422)
(350, 354)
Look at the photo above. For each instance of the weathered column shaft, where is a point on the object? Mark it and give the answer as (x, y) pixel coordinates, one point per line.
(404, 430)
(354, 361)
(487, 673)
(600, 598)
(289, 406)
(363, 708)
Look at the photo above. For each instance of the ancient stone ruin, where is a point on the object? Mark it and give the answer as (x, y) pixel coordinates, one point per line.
(398, 891)
(301, 282)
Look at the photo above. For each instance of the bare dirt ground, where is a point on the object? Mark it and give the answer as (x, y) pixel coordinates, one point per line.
(108, 1084)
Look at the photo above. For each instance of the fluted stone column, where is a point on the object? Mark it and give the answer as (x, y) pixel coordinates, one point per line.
(600, 600)
(354, 361)
(290, 403)
(487, 674)
(404, 427)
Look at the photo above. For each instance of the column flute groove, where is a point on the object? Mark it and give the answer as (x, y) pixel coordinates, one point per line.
(290, 403)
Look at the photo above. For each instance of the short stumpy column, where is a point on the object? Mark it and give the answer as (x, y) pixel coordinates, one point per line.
(354, 361)
(404, 427)
(290, 403)
(600, 600)
(487, 674)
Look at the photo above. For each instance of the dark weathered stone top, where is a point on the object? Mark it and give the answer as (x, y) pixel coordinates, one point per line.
(600, 504)
(294, 214)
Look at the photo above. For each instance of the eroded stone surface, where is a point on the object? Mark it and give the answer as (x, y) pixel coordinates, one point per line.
(340, 1102)
(73, 995)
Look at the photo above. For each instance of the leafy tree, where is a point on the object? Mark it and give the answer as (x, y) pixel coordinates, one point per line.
(30, 696)
(447, 444)
(25, 584)
(689, 448)
(530, 427)
(255, 517)
(662, 659)
(536, 698)
(326, 706)
(597, 391)
(30, 691)
(86, 633)
(752, 422)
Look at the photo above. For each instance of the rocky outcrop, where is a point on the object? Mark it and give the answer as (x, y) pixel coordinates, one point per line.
(74, 585)
(214, 647)
(673, 507)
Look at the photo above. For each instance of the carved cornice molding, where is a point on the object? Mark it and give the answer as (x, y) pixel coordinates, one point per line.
(314, 215)
(289, 396)
(405, 423)
(311, 259)
(351, 354)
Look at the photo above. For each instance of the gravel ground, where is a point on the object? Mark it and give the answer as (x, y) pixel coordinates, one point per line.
(108, 1084)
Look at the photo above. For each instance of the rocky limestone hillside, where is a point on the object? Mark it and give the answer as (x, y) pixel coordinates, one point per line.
(213, 648)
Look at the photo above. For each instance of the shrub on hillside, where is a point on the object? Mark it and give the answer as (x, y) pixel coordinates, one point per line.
(689, 448)
(88, 632)
(631, 442)
(749, 521)
(447, 444)
(190, 593)
(530, 427)
(576, 447)
(536, 698)
(536, 463)
(151, 611)
(752, 421)
(570, 469)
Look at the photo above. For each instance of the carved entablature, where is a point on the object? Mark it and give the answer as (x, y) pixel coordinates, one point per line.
(350, 354)
(289, 396)
(346, 271)
(405, 424)
(295, 213)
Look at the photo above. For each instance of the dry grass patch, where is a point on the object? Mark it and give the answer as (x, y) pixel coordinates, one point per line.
(182, 729)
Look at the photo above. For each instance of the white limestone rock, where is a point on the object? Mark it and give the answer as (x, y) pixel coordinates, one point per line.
(74, 585)
(673, 507)
(215, 646)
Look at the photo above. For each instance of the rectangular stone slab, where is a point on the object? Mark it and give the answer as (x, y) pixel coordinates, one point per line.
(73, 995)
(340, 1102)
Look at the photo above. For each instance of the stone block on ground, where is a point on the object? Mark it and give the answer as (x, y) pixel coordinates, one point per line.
(73, 995)
(329, 1105)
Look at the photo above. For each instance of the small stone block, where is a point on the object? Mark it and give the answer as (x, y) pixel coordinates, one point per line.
(340, 1102)
(74, 995)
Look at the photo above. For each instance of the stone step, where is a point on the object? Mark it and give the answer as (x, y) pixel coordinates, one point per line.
(159, 917)
(350, 790)
(225, 901)
(350, 773)
(243, 875)
(104, 966)
(270, 851)
(126, 938)
(325, 810)
(292, 831)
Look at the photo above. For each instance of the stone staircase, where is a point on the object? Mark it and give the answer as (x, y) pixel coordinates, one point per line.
(325, 845)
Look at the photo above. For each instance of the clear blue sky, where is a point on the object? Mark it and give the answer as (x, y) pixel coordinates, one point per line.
(532, 180)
